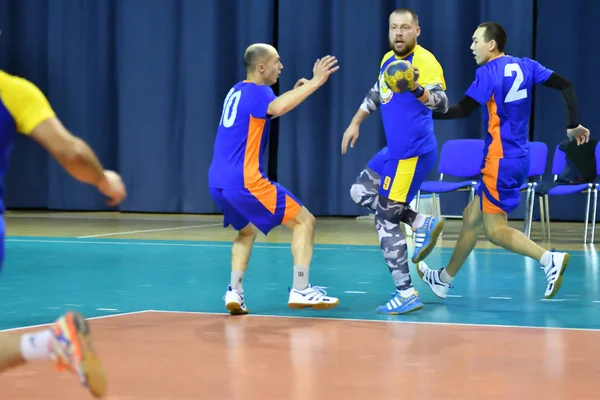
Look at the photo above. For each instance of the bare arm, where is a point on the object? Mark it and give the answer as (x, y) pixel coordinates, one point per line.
(291, 99)
(72, 153)
(77, 158)
(322, 69)
(370, 103)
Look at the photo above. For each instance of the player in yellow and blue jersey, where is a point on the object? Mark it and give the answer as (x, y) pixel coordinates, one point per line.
(249, 200)
(24, 109)
(411, 155)
(503, 85)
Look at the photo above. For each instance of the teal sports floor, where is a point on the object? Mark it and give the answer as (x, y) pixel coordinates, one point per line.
(45, 276)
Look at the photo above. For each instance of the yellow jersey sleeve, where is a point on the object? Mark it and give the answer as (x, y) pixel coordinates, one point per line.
(430, 70)
(387, 56)
(25, 102)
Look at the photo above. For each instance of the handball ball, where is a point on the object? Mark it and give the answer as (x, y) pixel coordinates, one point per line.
(400, 76)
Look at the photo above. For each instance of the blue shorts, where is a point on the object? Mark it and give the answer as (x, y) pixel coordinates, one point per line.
(501, 180)
(401, 179)
(265, 205)
(378, 161)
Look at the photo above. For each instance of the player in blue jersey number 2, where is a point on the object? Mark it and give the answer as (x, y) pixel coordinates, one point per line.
(503, 85)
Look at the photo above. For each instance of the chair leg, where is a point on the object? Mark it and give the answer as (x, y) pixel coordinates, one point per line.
(587, 214)
(434, 199)
(526, 218)
(542, 216)
(531, 204)
(594, 215)
(547, 205)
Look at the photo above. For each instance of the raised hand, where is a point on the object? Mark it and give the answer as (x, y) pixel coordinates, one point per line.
(323, 68)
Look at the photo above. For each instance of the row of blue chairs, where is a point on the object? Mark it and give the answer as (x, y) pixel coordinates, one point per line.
(462, 158)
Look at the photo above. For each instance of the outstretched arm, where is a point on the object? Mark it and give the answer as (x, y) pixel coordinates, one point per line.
(322, 69)
(370, 103)
(462, 109)
(564, 85)
(432, 96)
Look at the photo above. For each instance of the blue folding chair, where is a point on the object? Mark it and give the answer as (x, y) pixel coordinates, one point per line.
(558, 164)
(461, 158)
(538, 155)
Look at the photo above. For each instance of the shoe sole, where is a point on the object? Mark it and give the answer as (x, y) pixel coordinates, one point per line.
(93, 371)
(417, 308)
(559, 280)
(426, 250)
(317, 306)
(235, 308)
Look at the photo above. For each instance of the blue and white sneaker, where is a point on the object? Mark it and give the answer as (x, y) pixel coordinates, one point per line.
(426, 238)
(432, 278)
(234, 302)
(401, 305)
(554, 272)
(313, 297)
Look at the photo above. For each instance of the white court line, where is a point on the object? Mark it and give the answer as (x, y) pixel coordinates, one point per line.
(147, 230)
(500, 298)
(89, 319)
(394, 321)
(284, 246)
(354, 292)
(116, 217)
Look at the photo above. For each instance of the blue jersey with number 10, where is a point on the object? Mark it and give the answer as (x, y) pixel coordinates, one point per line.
(504, 85)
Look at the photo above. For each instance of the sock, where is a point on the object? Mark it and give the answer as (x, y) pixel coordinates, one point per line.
(407, 292)
(546, 258)
(445, 276)
(418, 222)
(236, 280)
(300, 277)
(36, 345)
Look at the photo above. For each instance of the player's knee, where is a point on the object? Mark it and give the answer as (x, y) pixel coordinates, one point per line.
(472, 215)
(310, 221)
(248, 233)
(356, 193)
(491, 233)
(305, 219)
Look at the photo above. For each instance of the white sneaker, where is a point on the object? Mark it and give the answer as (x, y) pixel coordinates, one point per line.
(432, 278)
(234, 302)
(554, 272)
(313, 296)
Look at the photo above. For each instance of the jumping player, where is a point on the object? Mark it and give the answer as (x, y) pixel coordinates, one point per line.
(503, 85)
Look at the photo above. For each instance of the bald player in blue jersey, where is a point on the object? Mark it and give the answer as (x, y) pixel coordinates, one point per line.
(249, 200)
(503, 85)
(67, 342)
(411, 155)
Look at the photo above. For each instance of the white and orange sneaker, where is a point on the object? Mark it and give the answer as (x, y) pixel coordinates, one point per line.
(71, 349)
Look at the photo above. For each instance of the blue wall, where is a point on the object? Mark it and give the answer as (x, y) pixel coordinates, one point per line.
(143, 83)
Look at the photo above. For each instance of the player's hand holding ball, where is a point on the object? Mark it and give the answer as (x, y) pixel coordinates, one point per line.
(401, 76)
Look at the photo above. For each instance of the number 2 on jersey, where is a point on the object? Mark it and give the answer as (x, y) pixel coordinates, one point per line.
(230, 106)
(515, 93)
